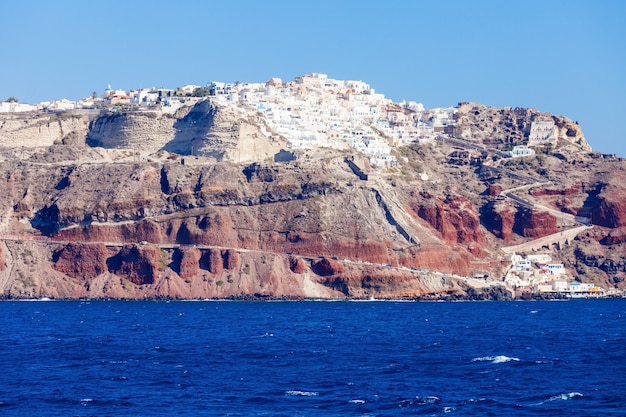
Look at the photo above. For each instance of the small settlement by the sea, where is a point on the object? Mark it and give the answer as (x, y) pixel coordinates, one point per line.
(536, 276)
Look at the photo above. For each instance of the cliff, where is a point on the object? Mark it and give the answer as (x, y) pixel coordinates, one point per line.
(201, 128)
(191, 205)
(19, 130)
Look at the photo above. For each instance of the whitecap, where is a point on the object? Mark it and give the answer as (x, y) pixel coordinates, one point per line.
(495, 359)
(431, 399)
(562, 396)
(447, 410)
(476, 400)
(302, 393)
(357, 401)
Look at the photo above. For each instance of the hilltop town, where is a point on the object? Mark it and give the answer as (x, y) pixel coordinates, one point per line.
(314, 187)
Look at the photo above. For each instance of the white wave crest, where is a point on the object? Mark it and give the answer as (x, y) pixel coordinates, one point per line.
(431, 399)
(357, 401)
(495, 359)
(303, 393)
(563, 397)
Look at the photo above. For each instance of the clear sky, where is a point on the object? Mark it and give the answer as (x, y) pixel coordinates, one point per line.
(563, 57)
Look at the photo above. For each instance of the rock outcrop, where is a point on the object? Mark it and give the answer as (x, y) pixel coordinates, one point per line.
(139, 265)
(534, 224)
(193, 205)
(201, 128)
(18, 130)
(455, 218)
(499, 219)
(499, 127)
(82, 261)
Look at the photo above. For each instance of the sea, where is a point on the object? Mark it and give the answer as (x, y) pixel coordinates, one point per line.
(313, 358)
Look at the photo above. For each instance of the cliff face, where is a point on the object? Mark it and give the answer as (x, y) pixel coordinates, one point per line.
(202, 129)
(19, 130)
(499, 127)
(141, 131)
(83, 221)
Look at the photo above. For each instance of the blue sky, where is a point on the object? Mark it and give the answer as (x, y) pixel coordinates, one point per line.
(563, 57)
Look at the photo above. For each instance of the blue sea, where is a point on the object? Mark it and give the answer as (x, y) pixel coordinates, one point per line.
(234, 358)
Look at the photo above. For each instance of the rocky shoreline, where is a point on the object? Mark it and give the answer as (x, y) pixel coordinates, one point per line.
(82, 217)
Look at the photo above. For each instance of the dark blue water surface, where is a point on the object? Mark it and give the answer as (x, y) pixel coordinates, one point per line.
(313, 358)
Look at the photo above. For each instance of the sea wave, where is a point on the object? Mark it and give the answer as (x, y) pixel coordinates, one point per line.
(562, 396)
(495, 359)
(302, 393)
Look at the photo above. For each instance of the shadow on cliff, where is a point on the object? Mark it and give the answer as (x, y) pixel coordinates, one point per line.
(192, 130)
(46, 220)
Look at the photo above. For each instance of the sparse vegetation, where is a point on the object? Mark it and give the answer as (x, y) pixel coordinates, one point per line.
(163, 260)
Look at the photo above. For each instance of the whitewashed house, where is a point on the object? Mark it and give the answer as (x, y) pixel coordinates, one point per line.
(521, 151)
(542, 133)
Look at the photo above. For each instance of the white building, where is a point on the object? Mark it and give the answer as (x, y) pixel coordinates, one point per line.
(521, 151)
(62, 105)
(144, 97)
(556, 269)
(542, 133)
(560, 285)
(542, 258)
(14, 107)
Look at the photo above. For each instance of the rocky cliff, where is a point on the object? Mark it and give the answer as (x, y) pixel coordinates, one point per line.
(191, 205)
(201, 128)
(19, 130)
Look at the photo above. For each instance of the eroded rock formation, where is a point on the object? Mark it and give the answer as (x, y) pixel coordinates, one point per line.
(190, 205)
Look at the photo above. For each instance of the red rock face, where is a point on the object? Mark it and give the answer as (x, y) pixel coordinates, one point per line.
(230, 258)
(3, 265)
(145, 230)
(615, 237)
(535, 224)
(500, 219)
(189, 263)
(494, 189)
(212, 261)
(81, 260)
(576, 188)
(325, 267)
(610, 209)
(139, 265)
(455, 218)
(296, 265)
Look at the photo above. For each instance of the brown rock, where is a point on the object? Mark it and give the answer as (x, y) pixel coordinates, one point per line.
(499, 218)
(610, 210)
(189, 262)
(139, 265)
(615, 237)
(230, 259)
(574, 189)
(212, 261)
(325, 267)
(535, 224)
(81, 260)
(296, 265)
(494, 189)
(3, 264)
(455, 218)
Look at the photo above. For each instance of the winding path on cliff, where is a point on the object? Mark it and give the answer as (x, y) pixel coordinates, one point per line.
(546, 241)
(536, 244)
